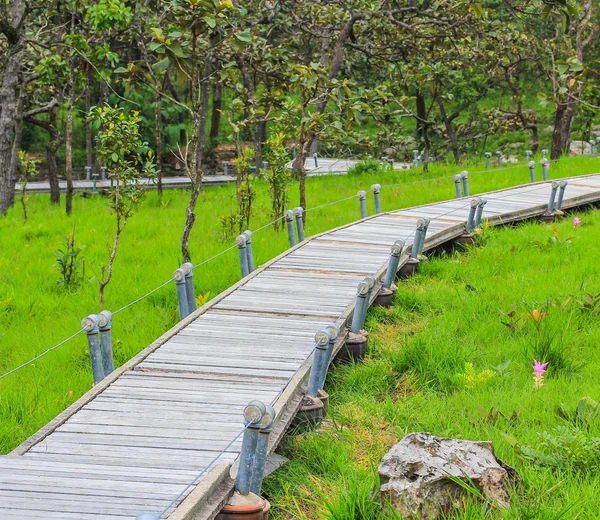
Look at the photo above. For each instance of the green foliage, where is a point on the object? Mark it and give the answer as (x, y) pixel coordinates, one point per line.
(370, 166)
(29, 169)
(472, 378)
(585, 414)
(70, 263)
(245, 189)
(106, 15)
(277, 176)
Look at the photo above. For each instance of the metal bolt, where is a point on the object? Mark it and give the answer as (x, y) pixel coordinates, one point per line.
(488, 159)
(471, 217)
(320, 357)
(298, 213)
(88, 173)
(358, 319)
(241, 243)
(531, 165)
(262, 446)
(249, 255)
(289, 218)
(392, 269)
(188, 269)
(479, 214)
(362, 199)
(464, 175)
(179, 277)
(105, 326)
(456, 179)
(253, 415)
(561, 194)
(376, 189)
(555, 186)
(90, 325)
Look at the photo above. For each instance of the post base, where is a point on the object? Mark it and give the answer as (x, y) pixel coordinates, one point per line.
(385, 297)
(559, 213)
(354, 348)
(548, 218)
(311, 413)
(324, 398)
(245, 507)
(408, 269)
(465, 239)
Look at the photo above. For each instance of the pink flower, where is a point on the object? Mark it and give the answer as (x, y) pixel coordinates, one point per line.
(539, 369)
(576, 222)
(396, 192)
(547, 165)
(574, 152)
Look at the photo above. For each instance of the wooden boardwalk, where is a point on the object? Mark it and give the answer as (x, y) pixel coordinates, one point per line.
(136, 440)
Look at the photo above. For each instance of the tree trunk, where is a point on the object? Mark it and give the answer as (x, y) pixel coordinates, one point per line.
(421, 116)
(11, 59)
(190, 218)
(450, 131)
(217, 103)
(68, 145)
(51, 148)
(89, 156)
(204, 97)
(563, 118)
(535, 138)
(158, 130)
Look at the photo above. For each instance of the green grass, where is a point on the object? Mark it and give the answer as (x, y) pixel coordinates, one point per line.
(35, 313)
(437, 362)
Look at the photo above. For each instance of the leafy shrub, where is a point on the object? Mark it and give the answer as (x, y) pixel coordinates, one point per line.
(70, 263)
(370, 166)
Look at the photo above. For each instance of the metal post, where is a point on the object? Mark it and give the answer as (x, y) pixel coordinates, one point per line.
(414, 253)
(147, 516)
(91, 327)
(416, 157)
(544, 153)
(597, 145)
(334, 332)
(88, 173)
(294, 152)
(456, 179)
(289, 218)
(358, 319)
(103, 172)
(531, 165)
(241, 243)
(179, 277)
(552, 196)
(316, 162)
(188, 269)
(479, 214)
(561, 194)
(95, 177)
(362, 199)
(262, 447)
(528, 155)
(422, 235)
(488, 159)
(321, 344)
(499, 155)
(471, 217)
(253, 415)
(592, 144)
(464, 175)
(298, 213)
(392, 269)
(249, 255)
(376, 189)
(105, 325)
(265, 165)
(225, 167)
(544, 163)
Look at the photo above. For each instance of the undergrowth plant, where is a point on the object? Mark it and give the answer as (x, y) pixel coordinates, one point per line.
(70, 262)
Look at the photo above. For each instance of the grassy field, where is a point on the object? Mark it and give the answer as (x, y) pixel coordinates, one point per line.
(36, 313)
(454, 356)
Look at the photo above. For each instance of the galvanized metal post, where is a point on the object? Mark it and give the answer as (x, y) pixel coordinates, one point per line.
(471, 217)
(416, 158)
(225, 167)
(147, 516)
(358, 319)
(289, 219)
(88, 173)
(528, 154)
(456, 179)
(531, 165)
(241, 243)
(464, 175)
(103, 173)
(190, 292)
(392, 269)
(95, 178)
(499, 155)
(262, 447)
(544, 153)
(422, 235)
(597, 145)
(544, 163)
(479, 214)
(253, 415)
(376, 189)
(552, 196)
(91, 327)
(488, 159)
(561, 194)
(179, 277)
(298, 213)
(320, 357)
(414, 253)
(362, 199)
(249, 255)
(592, 144)
(294, 152)
(316, 161)
(334, 332)
(105, 326)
